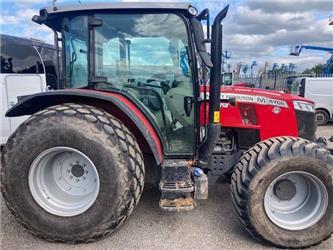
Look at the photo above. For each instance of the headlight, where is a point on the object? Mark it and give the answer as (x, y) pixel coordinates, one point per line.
(304, 106)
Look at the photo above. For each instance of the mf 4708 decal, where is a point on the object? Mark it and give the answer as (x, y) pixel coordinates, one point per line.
(262, 100)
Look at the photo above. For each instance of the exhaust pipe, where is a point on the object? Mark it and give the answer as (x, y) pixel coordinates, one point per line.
(214, 127)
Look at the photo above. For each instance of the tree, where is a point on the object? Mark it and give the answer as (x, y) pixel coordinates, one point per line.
(317, 69)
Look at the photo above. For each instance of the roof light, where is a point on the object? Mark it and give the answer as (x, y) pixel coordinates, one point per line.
(193, 11)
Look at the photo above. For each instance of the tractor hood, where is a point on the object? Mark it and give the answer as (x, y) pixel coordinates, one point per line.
(272, 113)
(257, 96)
(260, 96)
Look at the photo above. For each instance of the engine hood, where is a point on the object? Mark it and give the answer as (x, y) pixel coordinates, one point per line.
(261, 96)
(265, 111)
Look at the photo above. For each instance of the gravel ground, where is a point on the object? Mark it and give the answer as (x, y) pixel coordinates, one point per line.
(212, 225)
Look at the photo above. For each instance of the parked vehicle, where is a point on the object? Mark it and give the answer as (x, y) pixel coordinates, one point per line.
(27, 67)
(132, 111)
(319, 90)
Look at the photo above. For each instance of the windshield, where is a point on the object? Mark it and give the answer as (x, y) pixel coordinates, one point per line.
(145, 56)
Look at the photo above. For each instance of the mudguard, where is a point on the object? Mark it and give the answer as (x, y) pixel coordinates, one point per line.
(114, 103)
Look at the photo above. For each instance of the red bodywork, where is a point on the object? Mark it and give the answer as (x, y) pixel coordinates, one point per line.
(270, 112)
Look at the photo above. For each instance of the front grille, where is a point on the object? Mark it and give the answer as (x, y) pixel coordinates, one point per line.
(306, 124)
(247, 138)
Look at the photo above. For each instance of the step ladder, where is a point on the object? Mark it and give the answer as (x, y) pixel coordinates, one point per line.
(176, 186)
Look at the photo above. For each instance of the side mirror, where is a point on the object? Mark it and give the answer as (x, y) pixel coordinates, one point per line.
(204, 15)
(200, 42)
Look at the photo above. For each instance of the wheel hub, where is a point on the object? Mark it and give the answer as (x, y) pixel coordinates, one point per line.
(284, 189)
(77, 170)
(296, 200)
(64, 181)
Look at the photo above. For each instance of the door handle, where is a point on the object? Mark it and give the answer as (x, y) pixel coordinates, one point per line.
(188, 103)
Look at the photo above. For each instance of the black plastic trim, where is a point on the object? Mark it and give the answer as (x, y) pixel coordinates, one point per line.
(31, 104)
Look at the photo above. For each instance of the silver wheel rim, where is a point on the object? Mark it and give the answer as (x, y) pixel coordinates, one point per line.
(64, 181)
(296, 200)
(320, 118)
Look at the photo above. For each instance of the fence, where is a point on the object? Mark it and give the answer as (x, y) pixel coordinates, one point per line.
(273, 80)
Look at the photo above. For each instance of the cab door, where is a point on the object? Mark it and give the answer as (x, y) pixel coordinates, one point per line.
(147, 56)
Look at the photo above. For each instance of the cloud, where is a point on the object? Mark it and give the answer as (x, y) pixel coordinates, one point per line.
(26, 3)
(21, 25)
(5, 19)
(258, 30)
(285, 6)
(253, 30)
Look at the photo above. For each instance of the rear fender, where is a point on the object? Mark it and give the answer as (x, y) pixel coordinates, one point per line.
(114, 103)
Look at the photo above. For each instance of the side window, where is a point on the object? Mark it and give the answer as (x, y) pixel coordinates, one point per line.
(76, 51)
(77, 66)
(19, 57)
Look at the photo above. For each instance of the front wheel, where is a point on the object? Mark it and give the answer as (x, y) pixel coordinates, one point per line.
(322, 117)
(72, 173)
(282, 190)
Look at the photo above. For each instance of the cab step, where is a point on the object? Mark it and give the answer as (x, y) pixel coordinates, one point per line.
(177, 205)
(176, 186)
(179, 187)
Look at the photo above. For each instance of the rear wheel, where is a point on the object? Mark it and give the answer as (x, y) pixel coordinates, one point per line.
(282, 190)
(322, 117)
(72, 173)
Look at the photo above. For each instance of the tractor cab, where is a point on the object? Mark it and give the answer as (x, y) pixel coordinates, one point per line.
(147, 54)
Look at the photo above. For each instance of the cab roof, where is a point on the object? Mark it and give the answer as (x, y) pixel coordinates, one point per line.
(119, 5)
(49, 15)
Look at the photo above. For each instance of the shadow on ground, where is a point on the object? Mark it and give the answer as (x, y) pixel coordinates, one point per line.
(212, 225)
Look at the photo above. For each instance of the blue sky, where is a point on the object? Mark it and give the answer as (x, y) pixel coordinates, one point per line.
(254, 29)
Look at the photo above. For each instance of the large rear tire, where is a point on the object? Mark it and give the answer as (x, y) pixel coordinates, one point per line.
(72, 173)
(282, 190)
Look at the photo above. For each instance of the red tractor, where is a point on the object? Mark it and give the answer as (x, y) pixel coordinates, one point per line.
(133, 108)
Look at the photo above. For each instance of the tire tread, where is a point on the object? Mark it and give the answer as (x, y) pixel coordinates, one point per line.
(108, 123)
(255, 159)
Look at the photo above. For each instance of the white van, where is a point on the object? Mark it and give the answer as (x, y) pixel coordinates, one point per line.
(319, 90)
(27, 67)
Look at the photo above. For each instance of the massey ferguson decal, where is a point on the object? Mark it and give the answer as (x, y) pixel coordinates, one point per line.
(262, 100)
(255, 99)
